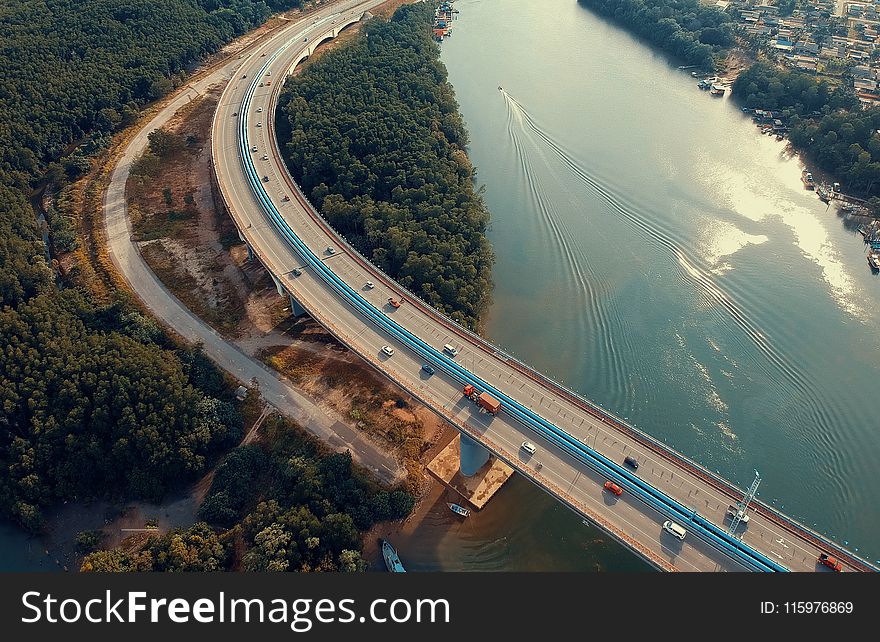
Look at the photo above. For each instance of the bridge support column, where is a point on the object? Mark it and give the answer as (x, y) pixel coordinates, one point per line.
(278, 285)
(472, 457)
(295, 308)
(249, 248)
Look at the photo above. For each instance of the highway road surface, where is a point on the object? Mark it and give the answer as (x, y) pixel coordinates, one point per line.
(574, 482)
(277, 391)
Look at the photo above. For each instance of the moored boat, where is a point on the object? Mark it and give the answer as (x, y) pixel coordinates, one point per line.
(392, 561)
(807, 180)
(459, 510)
(874, 261)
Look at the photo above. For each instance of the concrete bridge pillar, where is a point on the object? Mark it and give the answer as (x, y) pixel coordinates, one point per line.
(278, 285)
(249, 248)
(295, 308)
(472, 457)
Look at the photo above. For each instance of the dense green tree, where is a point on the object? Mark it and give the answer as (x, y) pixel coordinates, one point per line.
(95, 399)
(375, 138)
(198, 548)
(825, 121)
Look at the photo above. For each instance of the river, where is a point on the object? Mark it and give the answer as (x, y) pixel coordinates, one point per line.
(660, 256)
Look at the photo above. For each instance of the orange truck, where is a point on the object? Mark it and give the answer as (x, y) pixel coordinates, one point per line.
(483, 399)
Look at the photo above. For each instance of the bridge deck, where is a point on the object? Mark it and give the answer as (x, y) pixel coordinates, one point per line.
(558, 472)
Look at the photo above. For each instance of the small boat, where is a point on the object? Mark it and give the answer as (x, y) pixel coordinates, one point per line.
(780, 137)
(500, 88)
(392, 561)
(459, 510)
(874, 261)
(807, 180)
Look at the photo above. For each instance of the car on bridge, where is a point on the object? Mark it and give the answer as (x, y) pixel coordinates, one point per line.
(296, 272)
(427, 369)
(259, 124)
(394, 303)
(831, 562)
(611, 487)
(450, 349)
(254, 148)
(265, 156)
(265, 179)
(369, 285)
(529, 447)
(387, 350)
(734, 511)
(632, 462)
(674, 529)
(259, 110)
(330, 249)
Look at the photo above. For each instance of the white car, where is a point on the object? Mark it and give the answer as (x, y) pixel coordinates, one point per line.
(388, 350)
(674, 529)
(369, 285)
(259, 110)
(265, 157)
(529, 447)
(254, 148)
(331, 250)
(259, 124)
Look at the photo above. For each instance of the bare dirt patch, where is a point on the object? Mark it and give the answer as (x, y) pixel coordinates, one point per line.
(328, 371)
(182, 233)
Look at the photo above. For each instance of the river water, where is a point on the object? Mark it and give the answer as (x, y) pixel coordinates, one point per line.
(660, 256)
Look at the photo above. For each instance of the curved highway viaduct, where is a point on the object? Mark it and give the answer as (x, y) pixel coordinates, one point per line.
(274, 389)
(259, 192)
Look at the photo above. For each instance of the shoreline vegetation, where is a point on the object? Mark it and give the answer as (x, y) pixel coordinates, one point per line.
(825, 121)
(688, 30)
(372, 134)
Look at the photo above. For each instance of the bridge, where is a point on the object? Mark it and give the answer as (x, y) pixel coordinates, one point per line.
(578, 445)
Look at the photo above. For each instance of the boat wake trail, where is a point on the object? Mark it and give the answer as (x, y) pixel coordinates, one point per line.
(690, 270)
(591, 288)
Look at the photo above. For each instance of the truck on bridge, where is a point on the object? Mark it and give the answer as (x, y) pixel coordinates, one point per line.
(486, 401)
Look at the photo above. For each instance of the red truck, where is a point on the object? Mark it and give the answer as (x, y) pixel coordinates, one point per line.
(831, 562)
(486, 401)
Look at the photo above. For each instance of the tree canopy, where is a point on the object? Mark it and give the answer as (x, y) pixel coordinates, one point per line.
(825, 121)
(374, 137)
(96, 400)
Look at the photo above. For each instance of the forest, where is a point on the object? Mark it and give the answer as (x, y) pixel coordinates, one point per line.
(307, 516)
(374, 137)
(688, 30)
(825, 122)
(96, 399)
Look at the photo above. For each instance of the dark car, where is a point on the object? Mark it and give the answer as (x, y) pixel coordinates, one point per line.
(427, 369)
(632, 462)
